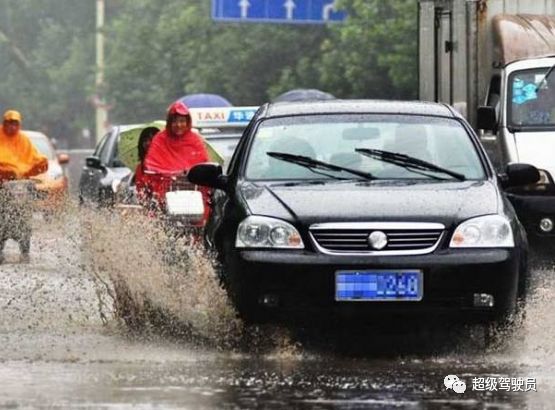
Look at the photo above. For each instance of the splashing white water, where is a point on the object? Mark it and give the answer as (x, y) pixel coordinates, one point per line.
(132, 252)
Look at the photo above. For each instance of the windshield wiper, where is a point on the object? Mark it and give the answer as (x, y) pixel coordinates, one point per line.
(408, 162)
(544, 79)
(314, 164)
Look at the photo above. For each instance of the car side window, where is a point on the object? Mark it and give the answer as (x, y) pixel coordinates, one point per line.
(106, 149)
(114, 155)
(242, 141)
(101, 145)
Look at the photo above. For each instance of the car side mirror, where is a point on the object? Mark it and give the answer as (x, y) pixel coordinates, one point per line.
(486, 118)
(208, 174)
(118, 163)
(63, 158)
(520, 174)
(93, 162)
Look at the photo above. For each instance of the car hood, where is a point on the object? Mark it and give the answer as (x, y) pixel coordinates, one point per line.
(54, 174)
(537, 148)
(443, 202)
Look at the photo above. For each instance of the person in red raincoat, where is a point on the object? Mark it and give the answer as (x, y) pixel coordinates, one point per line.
(174, 151)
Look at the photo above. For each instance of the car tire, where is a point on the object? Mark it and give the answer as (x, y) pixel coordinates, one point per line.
(504, 327)
(240, 286)
(243, 295)
(509, 320)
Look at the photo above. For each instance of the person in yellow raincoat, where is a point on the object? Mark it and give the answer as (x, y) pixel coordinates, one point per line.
(19, 159)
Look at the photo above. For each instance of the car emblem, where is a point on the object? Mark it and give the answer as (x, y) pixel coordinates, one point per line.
(377, 240)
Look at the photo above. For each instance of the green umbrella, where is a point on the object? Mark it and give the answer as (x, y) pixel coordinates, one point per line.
(129, 141)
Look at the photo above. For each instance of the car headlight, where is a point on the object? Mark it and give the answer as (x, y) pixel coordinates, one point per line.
(116, 182)
(484, 232)
(55, 172)
(265, 232)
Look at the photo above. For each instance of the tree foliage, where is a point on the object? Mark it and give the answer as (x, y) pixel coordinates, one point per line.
(372, 55)
(159, 50)
(46, 63)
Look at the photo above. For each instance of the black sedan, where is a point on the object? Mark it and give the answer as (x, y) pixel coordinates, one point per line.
(102, 170)
(366, 209)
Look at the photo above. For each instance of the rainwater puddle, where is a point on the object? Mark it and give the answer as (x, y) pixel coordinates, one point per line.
(62, 344)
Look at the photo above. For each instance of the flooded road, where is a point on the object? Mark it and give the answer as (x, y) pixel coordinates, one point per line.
(61, 346)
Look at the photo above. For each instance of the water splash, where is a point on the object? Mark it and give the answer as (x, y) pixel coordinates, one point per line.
(534, 343)
(156, 278)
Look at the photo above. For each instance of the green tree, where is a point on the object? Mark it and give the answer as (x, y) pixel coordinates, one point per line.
(371, 55)
(47, 58)
(159, 50)
(162, 50)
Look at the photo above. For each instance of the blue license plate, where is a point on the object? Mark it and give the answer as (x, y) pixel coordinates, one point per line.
(379, 285)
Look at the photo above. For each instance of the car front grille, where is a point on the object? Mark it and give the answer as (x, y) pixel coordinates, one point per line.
(402, 238)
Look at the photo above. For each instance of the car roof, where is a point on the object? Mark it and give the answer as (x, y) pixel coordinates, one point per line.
(357, 106)
(126, 127)
(36, 134)
(526, 63)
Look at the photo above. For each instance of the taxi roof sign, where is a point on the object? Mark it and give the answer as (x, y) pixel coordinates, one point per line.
(222, 117)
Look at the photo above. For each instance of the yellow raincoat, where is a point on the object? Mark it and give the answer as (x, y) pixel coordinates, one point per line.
(19, 155)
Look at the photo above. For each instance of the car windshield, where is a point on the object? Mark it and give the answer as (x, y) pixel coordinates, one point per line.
(532, 98)
(44, 147)
(348, 141)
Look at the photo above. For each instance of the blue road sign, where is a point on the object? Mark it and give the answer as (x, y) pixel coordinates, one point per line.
(277, 11)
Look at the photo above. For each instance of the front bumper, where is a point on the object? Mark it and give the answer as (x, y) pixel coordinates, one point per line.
(304, 282)
(531, 208)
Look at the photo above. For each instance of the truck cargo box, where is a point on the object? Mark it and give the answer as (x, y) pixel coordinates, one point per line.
(462, 42)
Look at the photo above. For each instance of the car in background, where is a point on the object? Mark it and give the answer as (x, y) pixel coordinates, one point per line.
(101, 169)
(104, 172)
(221, 127)
(303, 94)
(350, 211)
(52, 185)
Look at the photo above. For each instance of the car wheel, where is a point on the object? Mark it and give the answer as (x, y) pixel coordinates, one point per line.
(243, 295)
(508, 321)
(504, 327)
(240, 286)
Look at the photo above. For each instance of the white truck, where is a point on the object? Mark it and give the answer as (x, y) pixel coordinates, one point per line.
(493, 60)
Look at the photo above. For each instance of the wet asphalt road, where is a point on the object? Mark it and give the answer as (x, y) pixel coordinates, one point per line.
(61, 347)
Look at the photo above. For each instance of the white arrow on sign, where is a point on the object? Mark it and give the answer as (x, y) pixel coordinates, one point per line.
(327, 10)
(289, 7)
(244, 6)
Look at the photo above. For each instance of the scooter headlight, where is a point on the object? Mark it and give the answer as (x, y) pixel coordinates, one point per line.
(55, 171)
